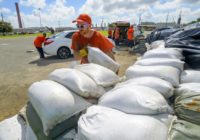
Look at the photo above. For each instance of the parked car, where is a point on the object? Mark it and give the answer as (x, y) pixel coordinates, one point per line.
(60, 44)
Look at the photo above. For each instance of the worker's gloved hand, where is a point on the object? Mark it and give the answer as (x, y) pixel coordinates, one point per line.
(83, 52)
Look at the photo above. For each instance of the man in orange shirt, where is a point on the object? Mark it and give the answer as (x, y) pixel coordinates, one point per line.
(38, 44)
(130, 36)
(116, 35)
(86, 36)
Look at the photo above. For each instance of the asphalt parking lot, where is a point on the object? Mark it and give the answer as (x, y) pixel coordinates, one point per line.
(21, 66)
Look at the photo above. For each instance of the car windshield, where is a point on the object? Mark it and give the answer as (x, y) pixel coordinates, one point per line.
(57, 35)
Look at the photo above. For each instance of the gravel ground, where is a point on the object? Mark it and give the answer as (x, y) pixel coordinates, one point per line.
(21, 66)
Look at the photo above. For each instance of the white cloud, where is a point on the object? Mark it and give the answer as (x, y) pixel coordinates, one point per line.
(59, 13)
(5, 10)
(33, 3)
(54, 15)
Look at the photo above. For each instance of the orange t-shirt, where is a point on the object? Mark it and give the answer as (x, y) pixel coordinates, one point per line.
(38, 41)
(97, 40)
(130, 34)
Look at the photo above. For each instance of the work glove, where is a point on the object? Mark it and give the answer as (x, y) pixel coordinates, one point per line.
(83, 52)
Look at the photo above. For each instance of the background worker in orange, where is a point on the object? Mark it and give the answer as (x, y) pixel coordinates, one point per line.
(116, 36)
(38, 44)
(86, 36)
(109, 33)
(130, 36)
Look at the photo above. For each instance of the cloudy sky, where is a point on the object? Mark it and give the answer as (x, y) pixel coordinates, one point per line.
(60, 13)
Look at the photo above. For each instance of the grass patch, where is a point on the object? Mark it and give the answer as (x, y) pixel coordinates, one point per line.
(104, 32)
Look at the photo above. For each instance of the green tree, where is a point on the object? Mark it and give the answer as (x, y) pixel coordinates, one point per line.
(5, 27)
(198, 19)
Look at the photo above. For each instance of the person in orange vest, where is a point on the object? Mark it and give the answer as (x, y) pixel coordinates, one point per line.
(110, 33)
(39, 40)
(86, 36)
(130, 36)
(116, 36)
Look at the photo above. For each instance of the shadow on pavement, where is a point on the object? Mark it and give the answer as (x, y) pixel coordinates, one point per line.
(50, 60)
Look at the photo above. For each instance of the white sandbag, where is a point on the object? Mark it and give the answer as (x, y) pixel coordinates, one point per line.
(167, 73)
(101, 75)
(161, 62)
(13, 128)
(190, 76)
(159, 44)
(135, 100)
(95, 55)
(77, 81)
(162, 86)
(174, 53)
(188, 90)
(101, 123)
(54, 103)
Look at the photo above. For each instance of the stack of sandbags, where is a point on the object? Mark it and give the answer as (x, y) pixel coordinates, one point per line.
(53, 109)
(13, 128)
(95, 55)
(102, 123)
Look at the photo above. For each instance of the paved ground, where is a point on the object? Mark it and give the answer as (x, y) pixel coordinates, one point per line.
(20, 68)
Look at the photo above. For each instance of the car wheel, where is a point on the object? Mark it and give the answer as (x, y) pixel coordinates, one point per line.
(64, 52)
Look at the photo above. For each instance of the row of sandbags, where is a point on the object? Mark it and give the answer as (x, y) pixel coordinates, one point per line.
(138, 106)
(59, 101)
(186, 104)
(187, 107)
(56, 104)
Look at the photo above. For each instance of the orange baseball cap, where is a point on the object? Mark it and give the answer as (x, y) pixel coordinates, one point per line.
(83, 18)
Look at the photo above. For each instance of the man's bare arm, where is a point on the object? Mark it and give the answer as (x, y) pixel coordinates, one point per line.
(111, 55)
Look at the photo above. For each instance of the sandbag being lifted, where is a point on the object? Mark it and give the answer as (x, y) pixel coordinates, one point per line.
(95, 55)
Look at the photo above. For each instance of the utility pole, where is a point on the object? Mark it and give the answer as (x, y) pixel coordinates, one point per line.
(18, 15)
(179, 18)
(102, 24)
(2, 23)
(2, 17)
(167, 19)
(40, 17)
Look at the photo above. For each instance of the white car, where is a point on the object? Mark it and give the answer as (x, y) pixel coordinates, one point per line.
(60, 44)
